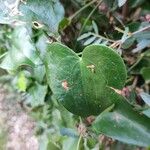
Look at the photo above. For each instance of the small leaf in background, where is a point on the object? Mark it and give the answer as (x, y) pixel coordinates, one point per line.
(98, 41)
(69, 132)
(121, 2)
(72, 144)
(95, 27)
(125, 35)
(6, 15)
(22, 51)
(39, 72)
(42, 12)
(83, 36)
(89, 40)
(46, 144)
(145, 97)
(36, 95)
(145, 34)
(64, 23)
(41, 45)
(135, 3)
(142, 35)
(141, 45)
(49, 13)
(145, 72)
(128, 43)
(146, 112)
(22, 83)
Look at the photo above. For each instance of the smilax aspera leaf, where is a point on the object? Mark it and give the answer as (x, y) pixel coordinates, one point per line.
(80, 83)
(85, 86)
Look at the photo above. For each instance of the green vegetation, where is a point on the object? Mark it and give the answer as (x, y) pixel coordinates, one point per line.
(82, 67)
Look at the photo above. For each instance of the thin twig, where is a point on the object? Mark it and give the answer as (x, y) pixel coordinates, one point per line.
(91, 13)
(102, 37)
(80, 10)
(136, 63)
(141, 30)
(78, 144)
(118, 42)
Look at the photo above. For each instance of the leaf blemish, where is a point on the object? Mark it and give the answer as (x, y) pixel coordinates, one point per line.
(65, 85)
(37, 25)
(91, 67)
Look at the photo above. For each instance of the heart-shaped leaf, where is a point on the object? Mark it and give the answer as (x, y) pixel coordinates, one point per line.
(80, 84)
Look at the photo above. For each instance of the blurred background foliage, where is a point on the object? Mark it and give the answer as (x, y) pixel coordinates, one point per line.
(28, 26)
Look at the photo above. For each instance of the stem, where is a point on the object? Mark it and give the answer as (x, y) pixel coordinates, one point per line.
(122, 31)
(102, 37)
(119, 20)
(80, 10)
(135, 63)
(1, 56)
(145, 28)
(91, 13)
(78, 145)
(118, 42)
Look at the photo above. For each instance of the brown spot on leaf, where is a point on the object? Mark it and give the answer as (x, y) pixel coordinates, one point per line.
(37, 25)
(65, 85)
(91, 67)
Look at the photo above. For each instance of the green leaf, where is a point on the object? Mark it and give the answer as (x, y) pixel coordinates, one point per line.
(98, 41)
(141, 45)
(22, 83)
(22, 51)
(128, 43)
(64, 24)
(6, 15)
(121, 2)
(69, 132)
(146, 112)
(72, 144)
(40, 12)
(89, 40)
(83, 36)
(135, 3)
(95, 27)
(79, 84)
(124, 124)
(49, 13)
(145, 97)
(46, 144)
(39, 73)
(145, 71)
(36, 95)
